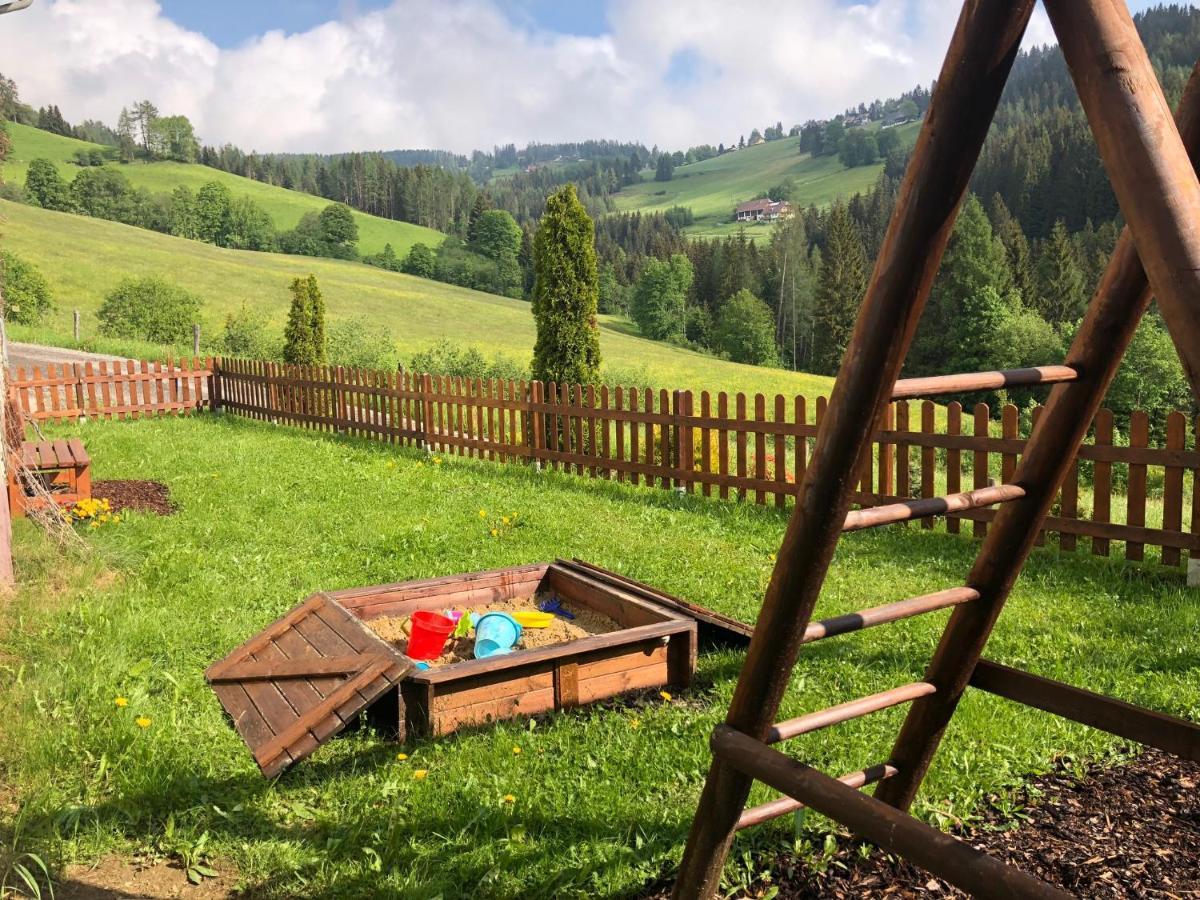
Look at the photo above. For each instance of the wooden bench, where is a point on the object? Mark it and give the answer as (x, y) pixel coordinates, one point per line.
(62, 467)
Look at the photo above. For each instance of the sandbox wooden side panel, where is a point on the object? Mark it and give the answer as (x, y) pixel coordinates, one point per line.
(558, 684)
(435, 593)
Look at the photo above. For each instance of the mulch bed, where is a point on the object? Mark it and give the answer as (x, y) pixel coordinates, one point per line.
(143, 496)
(1128, 831)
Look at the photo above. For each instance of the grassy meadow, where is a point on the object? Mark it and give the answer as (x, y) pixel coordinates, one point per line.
(713, 187)
(602, 796)
(84, 258)
(284, 206)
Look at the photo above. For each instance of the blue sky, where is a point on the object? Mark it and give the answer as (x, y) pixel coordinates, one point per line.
(229, 22)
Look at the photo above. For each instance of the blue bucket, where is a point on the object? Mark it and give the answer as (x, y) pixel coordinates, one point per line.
(495, 633)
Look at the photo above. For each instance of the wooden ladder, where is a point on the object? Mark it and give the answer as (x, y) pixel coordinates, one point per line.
(1146, 156)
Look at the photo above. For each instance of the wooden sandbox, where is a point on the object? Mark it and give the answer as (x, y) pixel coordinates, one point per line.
(313, 671)
(654, 647)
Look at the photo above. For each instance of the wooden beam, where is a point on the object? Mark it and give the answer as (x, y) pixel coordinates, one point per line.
(1097, 351)
(1144, 155)
(1136, 723)
(773, 809)
(888, 612)
(981, 54)
(844, 712)
(907, 388)
(925, 508)
(947, 857)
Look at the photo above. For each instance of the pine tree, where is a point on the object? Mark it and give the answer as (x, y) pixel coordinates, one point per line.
(962, 328)
(1016, 248)
(841, 284)
(565, 293)
(1062, 293)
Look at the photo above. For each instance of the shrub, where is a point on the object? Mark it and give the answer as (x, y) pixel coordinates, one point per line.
(246, 336)
(27, 296)
(745, 330)
(420, 261)
(359, 344)
(149, 309)
(446, 358)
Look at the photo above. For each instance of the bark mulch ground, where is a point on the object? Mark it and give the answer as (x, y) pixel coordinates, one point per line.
(1132, 830)
(145, 496)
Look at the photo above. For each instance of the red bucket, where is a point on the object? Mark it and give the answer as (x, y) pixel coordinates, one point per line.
(429, 633)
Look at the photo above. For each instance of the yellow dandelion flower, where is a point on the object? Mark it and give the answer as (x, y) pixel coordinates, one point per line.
(419, 774)
(142, 721)
(121, 702)
(771, 557)
(116, 520)
(506, 520)
(391, 464)
(666, 696)
(516, 751)
(93, 524)
(402, 756)
(635, 724)
(495, 533)
(509, 798)
(483, 514)
(437, 460)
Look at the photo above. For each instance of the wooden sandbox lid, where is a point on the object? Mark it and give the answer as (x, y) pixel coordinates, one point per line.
(302, 680)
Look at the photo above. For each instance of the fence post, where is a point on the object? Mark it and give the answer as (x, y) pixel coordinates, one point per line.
(77, 369)
(537, 439)
(681, 442)
(427, 424)
(75, 325)
(214, 384)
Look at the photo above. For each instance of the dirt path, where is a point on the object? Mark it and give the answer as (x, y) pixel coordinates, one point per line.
(30, 355)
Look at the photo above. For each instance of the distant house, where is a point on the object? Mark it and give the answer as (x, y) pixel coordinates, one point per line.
(756, 140)
(762, 211)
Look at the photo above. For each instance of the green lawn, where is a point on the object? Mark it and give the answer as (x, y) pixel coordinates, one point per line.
(604, 795)
(713, 188)
(84, 258)
(284, 206)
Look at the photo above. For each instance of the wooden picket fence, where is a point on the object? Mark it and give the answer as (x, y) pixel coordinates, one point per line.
(754, 449)
(111, 390)
(746, 448)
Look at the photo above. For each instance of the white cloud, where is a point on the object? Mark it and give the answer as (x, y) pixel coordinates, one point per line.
(458, 74)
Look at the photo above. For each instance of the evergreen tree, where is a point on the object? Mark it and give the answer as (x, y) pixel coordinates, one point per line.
(481, 205)
(841, 284)
(1016, 248)
(565, 293)
(962, 327)
(126, 141)
(304, 335)
(665, 168)
(47, 187)
(1062, 294)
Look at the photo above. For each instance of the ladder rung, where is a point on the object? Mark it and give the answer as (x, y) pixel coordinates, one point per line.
(889, 612)
(844, 712)
(930, 506)
(773, 809)
(966, 382)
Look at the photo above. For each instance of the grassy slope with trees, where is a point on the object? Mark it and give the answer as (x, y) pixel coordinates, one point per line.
(84, 258)
(713, 187)
(284, 206)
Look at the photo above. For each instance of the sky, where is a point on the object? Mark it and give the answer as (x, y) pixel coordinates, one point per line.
(330, 76)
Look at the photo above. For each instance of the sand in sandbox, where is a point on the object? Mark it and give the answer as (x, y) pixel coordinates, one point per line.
(587, 622)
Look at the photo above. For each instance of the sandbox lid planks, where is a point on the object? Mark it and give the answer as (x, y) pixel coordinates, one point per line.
(302, 680)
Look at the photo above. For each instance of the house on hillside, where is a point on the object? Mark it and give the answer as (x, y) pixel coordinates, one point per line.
(762, 211)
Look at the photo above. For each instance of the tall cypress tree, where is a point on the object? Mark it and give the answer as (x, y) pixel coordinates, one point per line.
(841, 284)
(565, 293)
(304, 334)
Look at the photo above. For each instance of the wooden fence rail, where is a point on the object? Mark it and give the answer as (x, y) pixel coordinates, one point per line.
(752, 448)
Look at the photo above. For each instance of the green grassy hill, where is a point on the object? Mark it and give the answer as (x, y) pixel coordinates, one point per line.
(84, 258)
(284, 206)
(712, 188)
